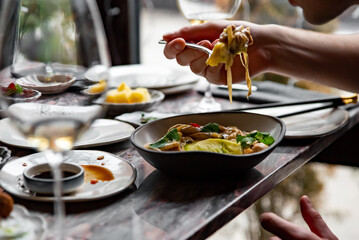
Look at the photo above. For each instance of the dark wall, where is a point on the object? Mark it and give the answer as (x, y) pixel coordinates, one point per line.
(165, 4)
(121, 22)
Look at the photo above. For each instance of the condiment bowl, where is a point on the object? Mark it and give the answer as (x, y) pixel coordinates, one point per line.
(37, 179)
(201, 163)
(47, 84)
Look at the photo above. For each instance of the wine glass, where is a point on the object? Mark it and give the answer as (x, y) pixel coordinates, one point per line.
(58, 37)
(197, 12)
(50, 37)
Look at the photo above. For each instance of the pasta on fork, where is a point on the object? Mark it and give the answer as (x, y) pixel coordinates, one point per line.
(232, 41)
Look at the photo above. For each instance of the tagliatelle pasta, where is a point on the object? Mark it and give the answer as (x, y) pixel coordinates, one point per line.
(232, 41)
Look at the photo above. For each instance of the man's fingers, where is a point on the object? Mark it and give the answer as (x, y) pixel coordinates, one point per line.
(284, 229)
(174, 47)
(314, 219)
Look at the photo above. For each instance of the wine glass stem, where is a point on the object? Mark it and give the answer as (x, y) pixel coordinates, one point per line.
(208, 92)
(55, 159)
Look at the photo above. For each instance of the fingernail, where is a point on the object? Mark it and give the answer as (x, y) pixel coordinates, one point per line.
(178, 46)
(306, 199)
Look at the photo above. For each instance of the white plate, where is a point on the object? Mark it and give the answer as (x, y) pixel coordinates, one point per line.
(315, 124)
(150, 76)
(135, 118)
(124, 173)
(96, 73)
(178, 89)
(115, 109)
(33, 82)
(102, 132)
(22, 225)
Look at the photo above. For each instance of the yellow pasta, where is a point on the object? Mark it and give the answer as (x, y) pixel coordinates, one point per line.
(233, 41)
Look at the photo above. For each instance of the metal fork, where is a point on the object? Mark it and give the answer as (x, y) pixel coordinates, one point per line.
(192, 45)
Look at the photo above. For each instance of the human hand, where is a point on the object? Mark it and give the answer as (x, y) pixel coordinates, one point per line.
(286, 230)
(207, 35)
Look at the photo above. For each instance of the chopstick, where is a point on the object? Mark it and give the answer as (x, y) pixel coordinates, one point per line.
(331, 102)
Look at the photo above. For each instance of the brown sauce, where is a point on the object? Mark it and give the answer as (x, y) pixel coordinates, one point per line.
(94, 172)
(48, 174)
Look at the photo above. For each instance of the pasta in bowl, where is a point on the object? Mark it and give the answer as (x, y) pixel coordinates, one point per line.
(196, 162)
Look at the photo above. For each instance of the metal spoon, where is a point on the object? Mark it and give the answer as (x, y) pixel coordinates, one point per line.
(192, 45)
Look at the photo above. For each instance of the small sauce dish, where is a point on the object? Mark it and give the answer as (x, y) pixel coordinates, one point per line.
(39, 179)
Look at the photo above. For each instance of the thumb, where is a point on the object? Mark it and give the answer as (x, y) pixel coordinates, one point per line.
(314, 219)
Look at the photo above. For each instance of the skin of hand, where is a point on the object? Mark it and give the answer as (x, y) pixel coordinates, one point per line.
(288, 231)
(207, 34)
(325, 58)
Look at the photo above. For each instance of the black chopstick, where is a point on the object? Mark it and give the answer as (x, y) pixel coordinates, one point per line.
(332, 102)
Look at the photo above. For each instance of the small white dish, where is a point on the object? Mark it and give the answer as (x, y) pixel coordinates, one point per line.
(124, 173)
(88, 93)
(114, 109)
(28, 95)
(47, 85)
(101, 132)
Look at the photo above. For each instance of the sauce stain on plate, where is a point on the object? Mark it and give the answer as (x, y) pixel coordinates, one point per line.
(94, 172)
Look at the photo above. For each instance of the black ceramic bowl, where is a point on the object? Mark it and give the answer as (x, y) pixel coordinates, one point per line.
(44, 185)
(199, 163)
(4, 156)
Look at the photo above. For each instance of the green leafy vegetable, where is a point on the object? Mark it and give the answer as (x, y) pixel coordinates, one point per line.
(262, 137)
(172, 135)
(147, 119)
(210, 127)
(13, 89)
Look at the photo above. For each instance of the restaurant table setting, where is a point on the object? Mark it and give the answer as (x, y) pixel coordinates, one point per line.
(117, 141)
(112, 144)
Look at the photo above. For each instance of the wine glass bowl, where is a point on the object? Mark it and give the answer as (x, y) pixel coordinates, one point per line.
(58, 37)
(52, 127)
(208, 10)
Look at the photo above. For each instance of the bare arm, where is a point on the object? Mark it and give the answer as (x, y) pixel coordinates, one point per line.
(324, 58)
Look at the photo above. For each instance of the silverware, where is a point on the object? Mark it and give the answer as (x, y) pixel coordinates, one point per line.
(192, 45)
(326, 103)
(239, 87)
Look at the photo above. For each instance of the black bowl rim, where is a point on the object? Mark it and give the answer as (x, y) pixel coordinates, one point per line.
(43, 180)
(278, 140)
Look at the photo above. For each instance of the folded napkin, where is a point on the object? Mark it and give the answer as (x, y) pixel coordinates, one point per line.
(268, 92)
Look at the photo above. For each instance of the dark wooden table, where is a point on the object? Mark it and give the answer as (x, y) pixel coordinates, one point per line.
(160, 207)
